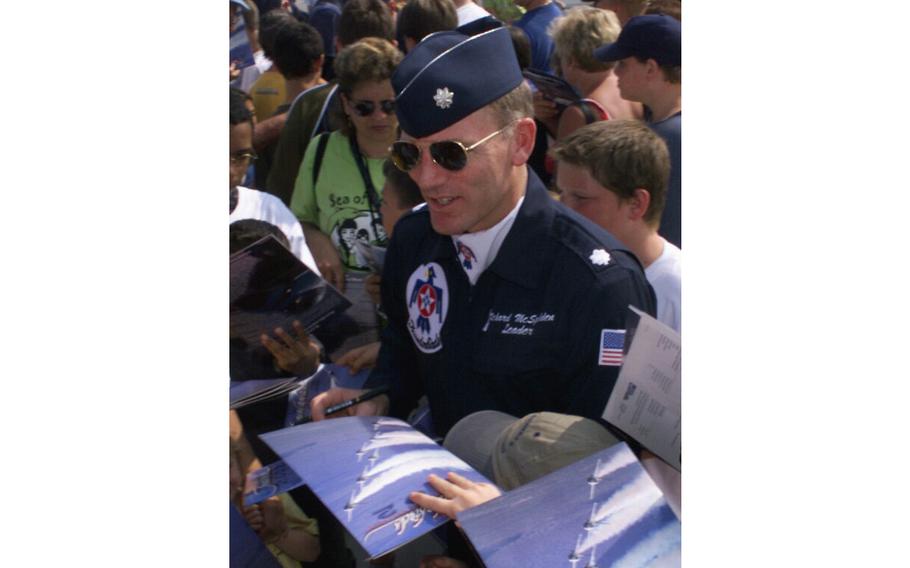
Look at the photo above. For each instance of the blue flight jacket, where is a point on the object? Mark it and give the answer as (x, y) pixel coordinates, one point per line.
(527, 337)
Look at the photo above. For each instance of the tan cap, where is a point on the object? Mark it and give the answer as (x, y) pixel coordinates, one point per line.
(517, 451)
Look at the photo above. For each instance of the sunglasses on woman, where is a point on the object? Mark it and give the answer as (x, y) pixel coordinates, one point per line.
(366, 108)
(449, 154)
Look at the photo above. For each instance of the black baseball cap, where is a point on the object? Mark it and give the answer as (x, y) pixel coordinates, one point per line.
(655, 36)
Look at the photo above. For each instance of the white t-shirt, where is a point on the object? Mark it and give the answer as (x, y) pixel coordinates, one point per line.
(253, 204)
(476, 251)
(470, 12)
(664, 274)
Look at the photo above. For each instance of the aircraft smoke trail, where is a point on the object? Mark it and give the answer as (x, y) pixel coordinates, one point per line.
(403, 465)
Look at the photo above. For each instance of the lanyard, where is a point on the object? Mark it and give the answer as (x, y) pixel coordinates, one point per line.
(372, 195)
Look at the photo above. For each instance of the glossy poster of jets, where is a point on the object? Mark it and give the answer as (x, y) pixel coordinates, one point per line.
(363, 468)
(270, 287)
(602, 511)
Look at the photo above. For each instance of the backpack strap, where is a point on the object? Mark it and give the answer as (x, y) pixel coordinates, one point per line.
(321, 122)
(592, 110)
(321, 142)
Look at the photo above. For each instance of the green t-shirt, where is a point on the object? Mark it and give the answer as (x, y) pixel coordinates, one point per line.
(339, 204)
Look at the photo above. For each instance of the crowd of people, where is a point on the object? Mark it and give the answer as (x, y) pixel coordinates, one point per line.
(518, 230)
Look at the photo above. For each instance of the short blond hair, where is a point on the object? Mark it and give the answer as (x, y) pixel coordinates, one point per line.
(582, 30)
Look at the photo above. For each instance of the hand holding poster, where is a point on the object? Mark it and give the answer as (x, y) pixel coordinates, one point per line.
(552, 87)
(363, 469)
(271, 288)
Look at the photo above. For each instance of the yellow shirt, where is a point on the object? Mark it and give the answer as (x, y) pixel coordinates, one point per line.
(268, 93)
(296, 520)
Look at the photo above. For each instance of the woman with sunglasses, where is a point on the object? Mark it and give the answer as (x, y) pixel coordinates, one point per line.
(337, 194)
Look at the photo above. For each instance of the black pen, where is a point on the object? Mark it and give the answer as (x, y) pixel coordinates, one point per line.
(356, 400)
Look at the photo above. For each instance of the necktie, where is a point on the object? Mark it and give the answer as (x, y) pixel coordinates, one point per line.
(466, 255)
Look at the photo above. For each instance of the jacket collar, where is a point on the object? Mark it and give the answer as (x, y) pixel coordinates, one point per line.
(524, 253)
(529, 232)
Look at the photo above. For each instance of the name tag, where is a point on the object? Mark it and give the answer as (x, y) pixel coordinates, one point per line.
(516, 323)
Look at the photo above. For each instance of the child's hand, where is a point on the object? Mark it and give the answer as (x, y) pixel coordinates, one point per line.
(544, 109)
(275, 524)
(253, 517)
(297, 354)
(363, 357)
(372, 285)
(457, 494)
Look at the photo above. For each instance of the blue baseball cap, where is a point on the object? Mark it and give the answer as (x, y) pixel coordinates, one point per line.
(449, 75)
(655, 36)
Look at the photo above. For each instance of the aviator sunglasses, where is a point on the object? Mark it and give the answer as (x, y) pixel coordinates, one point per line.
(449, 154)
(366, 108)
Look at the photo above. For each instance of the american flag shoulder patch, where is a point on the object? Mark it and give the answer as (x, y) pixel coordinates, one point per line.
(611, 342)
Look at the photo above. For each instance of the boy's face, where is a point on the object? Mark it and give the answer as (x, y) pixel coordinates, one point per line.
(241, 143)
(582, 193)
(632, 78)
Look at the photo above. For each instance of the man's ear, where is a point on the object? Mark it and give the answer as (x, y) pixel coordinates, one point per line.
(317, 65)
(639, 203)
(525, 132)
(652, 68)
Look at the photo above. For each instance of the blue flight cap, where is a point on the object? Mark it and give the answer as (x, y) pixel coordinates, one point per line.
(655, 36)
(240, 4)
(449, 75)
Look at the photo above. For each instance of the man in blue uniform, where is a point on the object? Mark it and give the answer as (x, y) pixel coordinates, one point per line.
(497, 296)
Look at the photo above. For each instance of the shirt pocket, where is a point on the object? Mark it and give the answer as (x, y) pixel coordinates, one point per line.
(519, 370)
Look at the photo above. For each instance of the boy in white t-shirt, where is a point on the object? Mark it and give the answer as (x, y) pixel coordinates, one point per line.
(615, 172)
(249, 203)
